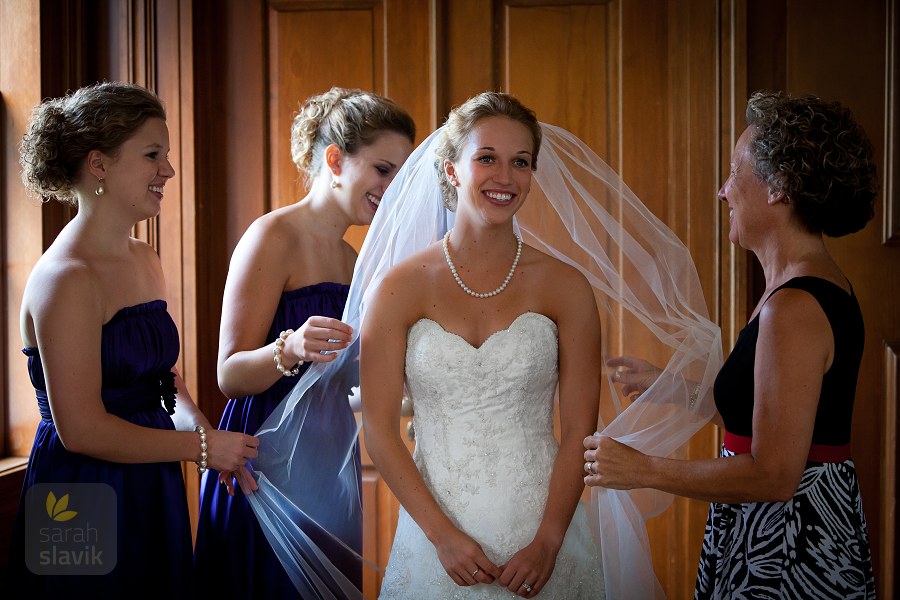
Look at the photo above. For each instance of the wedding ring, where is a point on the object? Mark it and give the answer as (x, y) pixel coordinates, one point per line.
(587, 468)
(475, 572)
(527, 587)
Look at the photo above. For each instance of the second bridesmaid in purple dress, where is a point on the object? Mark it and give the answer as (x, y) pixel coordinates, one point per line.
(287, 285)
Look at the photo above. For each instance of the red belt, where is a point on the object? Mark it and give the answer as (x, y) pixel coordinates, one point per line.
(820, 453)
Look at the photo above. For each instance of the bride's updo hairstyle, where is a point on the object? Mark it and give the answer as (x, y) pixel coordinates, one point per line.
(63, 130)
(348, 118)
(818, 156)
(462, 120)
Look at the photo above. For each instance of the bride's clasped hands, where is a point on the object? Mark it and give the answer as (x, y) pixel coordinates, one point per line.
(466, 563)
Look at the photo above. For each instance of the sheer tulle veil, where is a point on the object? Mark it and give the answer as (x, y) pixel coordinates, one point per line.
(651, 305)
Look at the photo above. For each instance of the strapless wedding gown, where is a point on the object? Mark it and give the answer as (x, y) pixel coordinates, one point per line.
(485, 448)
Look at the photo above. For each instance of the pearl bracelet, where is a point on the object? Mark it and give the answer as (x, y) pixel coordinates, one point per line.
(279, 344)
(201, 464)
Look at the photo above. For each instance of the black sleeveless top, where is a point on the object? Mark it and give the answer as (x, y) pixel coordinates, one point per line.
(733, 389)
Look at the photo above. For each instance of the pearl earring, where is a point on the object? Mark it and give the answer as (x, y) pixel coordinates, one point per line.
(100, 189)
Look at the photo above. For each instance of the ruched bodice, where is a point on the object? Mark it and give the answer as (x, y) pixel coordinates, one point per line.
(485, 447)
(139, 347)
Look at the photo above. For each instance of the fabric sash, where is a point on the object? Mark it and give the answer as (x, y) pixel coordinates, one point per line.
(818, 453)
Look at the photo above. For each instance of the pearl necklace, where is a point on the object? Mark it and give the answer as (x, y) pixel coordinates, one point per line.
(466, 288)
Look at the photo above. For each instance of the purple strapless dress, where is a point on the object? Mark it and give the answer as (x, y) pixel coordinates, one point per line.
(233, 557)
(139, 347)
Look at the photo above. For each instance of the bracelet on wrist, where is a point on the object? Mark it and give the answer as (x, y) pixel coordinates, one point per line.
(201, 464)
(279, 345)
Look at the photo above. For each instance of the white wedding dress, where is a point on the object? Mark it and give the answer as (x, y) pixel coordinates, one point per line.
(485, 448)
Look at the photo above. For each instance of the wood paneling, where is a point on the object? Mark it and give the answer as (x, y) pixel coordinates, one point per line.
(229, 165)
(891, 190)
(889, 461)
(304, 61)
(384, 47)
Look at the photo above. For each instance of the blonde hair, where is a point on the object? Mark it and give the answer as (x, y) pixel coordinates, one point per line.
(349, 118)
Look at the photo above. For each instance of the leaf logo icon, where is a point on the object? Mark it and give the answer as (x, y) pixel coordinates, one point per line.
(57, 509)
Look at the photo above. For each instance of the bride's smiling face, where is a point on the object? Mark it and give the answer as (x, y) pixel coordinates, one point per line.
(493, 172)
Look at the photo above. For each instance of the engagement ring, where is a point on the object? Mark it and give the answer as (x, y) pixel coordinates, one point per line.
(527, 587)
(475, 572)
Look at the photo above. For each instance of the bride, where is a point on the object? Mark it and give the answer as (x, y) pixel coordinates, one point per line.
(485, 329)
(490, 499)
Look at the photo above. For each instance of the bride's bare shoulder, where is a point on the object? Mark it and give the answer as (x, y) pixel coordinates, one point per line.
(551, 269)
(415, 276)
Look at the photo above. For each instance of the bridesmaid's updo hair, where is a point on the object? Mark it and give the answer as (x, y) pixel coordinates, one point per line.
(348, 118)
(63, 130)
(815, 153)
(462, 120)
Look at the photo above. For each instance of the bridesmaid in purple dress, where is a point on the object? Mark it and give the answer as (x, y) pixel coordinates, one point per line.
(285, 293)
(103, 510)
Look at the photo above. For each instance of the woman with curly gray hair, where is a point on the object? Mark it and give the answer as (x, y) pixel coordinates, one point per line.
(786, 517)
(285, 294)
(117, 421)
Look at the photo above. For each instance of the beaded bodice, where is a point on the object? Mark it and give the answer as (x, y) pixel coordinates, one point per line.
(484, 426)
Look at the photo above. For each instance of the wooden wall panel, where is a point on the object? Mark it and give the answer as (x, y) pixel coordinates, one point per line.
(303, 62)
(891, 190)
(228, 101)
(890, 540)
(465, 52)
(694, 213)
(21, 244)
(560, 61)
(384, 47)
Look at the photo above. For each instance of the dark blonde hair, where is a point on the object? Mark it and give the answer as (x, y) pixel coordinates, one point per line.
(818, 156)
(349, 118)
(62, 131)
(462, 120)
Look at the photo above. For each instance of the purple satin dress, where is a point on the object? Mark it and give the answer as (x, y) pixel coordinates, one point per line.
(139, 347)
(233, 557)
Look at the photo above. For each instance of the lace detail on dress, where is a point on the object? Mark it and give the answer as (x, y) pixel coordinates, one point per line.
(485, 448)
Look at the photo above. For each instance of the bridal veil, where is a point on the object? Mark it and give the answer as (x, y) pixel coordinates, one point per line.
(651, 305)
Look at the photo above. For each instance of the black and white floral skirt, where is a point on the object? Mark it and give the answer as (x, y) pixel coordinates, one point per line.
(814, 546)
